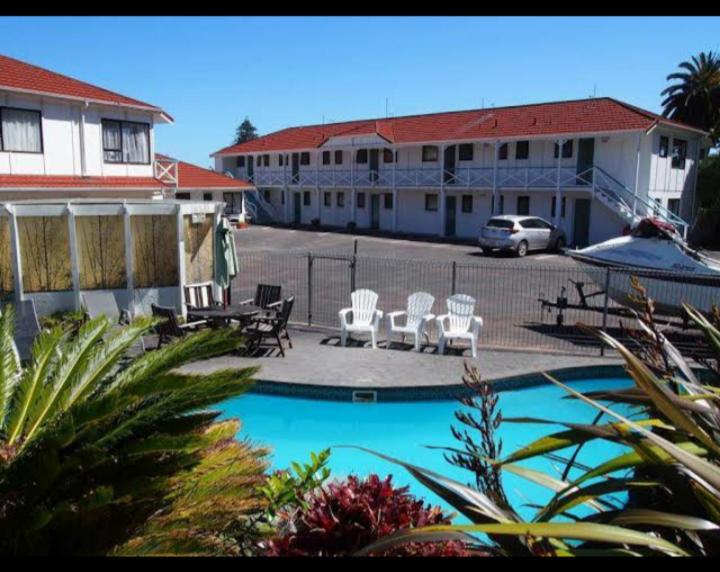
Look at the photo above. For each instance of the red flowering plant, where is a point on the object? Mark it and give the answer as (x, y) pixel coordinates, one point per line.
(344, 516)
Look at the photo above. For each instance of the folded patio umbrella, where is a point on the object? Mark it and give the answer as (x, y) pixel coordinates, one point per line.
(226, 262)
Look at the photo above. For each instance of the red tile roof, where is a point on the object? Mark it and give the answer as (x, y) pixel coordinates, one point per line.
(193, 177)
(557, 118)
(76, 182)
(189, 177)
(18, 75)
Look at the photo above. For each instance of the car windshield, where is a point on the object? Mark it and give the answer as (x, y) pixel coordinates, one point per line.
(500, 223)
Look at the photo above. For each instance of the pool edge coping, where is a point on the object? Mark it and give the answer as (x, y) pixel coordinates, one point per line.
(432, 392)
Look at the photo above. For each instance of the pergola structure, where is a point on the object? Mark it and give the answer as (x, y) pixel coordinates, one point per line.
(144, 251)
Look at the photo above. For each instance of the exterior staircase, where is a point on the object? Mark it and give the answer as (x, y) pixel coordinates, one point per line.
(259, 210)
(631, 208)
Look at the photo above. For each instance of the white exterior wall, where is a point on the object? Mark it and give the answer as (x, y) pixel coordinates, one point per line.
(61, 136)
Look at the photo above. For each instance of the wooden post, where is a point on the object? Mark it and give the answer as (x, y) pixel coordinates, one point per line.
(181, 259)
(16, 258)
(129, 259)
(74, 260)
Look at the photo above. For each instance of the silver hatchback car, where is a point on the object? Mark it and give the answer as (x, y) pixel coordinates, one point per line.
(520, 234)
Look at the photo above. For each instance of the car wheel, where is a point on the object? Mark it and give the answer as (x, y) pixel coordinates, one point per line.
(559, 244)
(522, 248)
(487, 251)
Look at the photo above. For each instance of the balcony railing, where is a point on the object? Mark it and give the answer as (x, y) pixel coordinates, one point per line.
(468, 177)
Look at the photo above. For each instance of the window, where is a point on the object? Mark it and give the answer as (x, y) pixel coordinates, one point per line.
(182, 196)
(266, 160)
(387, 156)
(306, 198)
(304, 158)
(503, 152)
(664, 145)
(674, 206)
(240, 161)
(562, 208)
(679, 152)
(266, 194)
(388, 200)
(523, 205)
(338, 157)
(126, 142)
(567, 149)
(465, 152)
(361, 200)
(327, 199)
(280, 160)
(466, 204)
(657, 206)
(362, 156)
(429, 153)
(326, 157)
(282, 193)
(431, 202)
(207, 196)
(20, 130)
(522, 149)
(530, 223)
(341, 200)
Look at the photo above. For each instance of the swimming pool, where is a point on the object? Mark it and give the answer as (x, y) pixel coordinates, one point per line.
(292, 427)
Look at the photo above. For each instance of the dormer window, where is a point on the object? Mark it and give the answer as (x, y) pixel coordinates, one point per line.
(20, 130)
(126, 142)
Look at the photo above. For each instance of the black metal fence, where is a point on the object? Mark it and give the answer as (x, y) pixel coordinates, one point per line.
(522, 306)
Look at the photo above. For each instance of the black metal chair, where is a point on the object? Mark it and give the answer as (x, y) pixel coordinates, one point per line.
(271, 327)
(267, 296)
(170, 327)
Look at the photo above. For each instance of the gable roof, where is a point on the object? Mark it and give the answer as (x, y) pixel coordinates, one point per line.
(555, 118)
(193, 177)
(16, 75)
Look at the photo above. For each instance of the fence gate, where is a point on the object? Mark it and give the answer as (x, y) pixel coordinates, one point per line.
(330, 280)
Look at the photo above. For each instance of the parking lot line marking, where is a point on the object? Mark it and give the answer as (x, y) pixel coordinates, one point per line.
(545, 256)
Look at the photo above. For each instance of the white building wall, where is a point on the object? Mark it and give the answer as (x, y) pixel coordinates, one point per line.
(61, 135)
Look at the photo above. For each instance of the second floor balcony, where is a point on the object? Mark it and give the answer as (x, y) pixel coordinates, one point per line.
(460, 177)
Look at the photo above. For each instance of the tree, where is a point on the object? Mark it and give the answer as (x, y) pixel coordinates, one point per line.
(695, 99)
(246, 131)
(98, 449)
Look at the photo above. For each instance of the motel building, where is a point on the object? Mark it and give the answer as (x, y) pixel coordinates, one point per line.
(61, 138)
(590, 166)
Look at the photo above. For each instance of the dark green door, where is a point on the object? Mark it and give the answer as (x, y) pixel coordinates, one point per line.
(297, 204)
(250, 170)
(450, 212)
(295, 168)
(581, 224)
(449, 165)
(585, 160)
(374, 211)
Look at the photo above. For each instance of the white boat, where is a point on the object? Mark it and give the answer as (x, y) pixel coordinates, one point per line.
(666, 266)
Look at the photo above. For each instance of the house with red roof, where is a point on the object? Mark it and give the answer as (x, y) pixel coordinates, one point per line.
(64, 138)
(590, 166)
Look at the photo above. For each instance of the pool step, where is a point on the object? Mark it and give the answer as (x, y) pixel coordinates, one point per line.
(364, 396)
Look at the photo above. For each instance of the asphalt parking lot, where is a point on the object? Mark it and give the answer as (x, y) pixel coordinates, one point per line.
(274, 239)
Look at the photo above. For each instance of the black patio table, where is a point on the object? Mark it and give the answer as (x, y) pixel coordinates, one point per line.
(219, 316)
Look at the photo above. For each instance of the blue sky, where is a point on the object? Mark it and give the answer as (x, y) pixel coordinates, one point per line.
(209, 73)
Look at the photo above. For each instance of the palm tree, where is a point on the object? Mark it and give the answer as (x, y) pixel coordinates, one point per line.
(696, 98)
(97, 448)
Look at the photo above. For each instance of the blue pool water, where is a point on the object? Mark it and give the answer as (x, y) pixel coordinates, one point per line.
(292, 427)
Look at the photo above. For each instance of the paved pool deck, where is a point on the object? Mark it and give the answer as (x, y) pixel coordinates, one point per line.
(318, 363)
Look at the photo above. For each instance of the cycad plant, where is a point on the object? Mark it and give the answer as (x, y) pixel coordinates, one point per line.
(97, 448)
(660, 496)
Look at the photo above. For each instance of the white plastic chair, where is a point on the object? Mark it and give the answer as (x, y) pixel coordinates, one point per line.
(418, 315)
(365, 316)
(459, 322)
